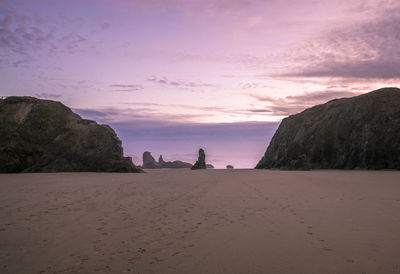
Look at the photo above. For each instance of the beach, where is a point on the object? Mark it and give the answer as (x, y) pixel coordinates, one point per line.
(203, 221)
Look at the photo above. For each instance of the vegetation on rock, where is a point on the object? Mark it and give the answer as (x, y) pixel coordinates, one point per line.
(46, 136)
(361, 132)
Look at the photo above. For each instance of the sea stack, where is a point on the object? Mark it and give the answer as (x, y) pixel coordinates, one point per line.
(148, 161)
(361, 132)
(46, 136)
(229, 167)
(161, 161)
(201, 162)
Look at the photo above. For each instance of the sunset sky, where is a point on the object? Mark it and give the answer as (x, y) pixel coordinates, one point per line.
(171, 76)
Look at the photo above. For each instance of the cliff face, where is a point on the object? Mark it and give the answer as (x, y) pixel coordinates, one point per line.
(359, 132)
(46, 136)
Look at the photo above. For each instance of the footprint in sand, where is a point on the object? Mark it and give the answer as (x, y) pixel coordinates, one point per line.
(156, 259)
(156, 250)
(142, 250)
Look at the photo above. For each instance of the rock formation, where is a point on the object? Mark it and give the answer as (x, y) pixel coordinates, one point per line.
(201, 162)
(229, 167)
(209, 166)
(46, 136)
(150, 163)
(161, 161)
(176, 164)
(362, 132)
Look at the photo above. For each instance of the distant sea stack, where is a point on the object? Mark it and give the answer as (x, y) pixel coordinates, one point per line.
(201, 162)
(150, 163)
(46, 136)
(161, 161)
(361, 132)
(209, 166)
(229, 166)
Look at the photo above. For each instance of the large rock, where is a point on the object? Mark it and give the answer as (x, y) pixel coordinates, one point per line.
(201, 162)
(360, 132)
(46, 136)
(176, 164)
(161, 161)
(149, 161)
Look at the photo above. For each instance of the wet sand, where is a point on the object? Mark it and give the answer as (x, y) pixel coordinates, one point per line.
(207, 221)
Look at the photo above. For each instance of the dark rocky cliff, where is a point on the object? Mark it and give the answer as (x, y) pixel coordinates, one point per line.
(360, 132)
(46, 136)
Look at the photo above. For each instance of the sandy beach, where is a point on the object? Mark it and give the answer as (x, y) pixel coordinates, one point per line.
(207, 221)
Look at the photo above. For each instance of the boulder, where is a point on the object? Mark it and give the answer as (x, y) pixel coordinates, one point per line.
(46, 136)
(361, 132)
(229, 167)
(201, 162)
(209, 166)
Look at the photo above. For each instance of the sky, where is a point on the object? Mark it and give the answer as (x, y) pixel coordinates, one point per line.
(171, 76)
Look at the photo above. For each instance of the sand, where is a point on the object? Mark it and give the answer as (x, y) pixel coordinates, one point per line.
(206, 221)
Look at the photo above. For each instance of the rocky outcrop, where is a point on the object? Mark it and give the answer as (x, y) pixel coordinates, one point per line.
(201, 162)
(46, 136)
(229, 166)
(210, 166)
(362, 132)
(176, 164)
(161, 161)
(150, 163)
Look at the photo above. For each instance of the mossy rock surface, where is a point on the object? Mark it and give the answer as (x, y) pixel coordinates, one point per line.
(46, 136)
(361, 132)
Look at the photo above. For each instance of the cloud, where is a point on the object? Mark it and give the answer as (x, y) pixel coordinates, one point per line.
(91, 113)
(135, 114)
(126, 88)
(368, 49)
(203, 7)
(177, 83)
(254, 21)
(296, 103)
(48, 95)
(23, 34)
(106, 25)
(206, 111)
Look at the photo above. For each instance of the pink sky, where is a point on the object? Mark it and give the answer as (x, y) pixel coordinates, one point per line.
(154, 67)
